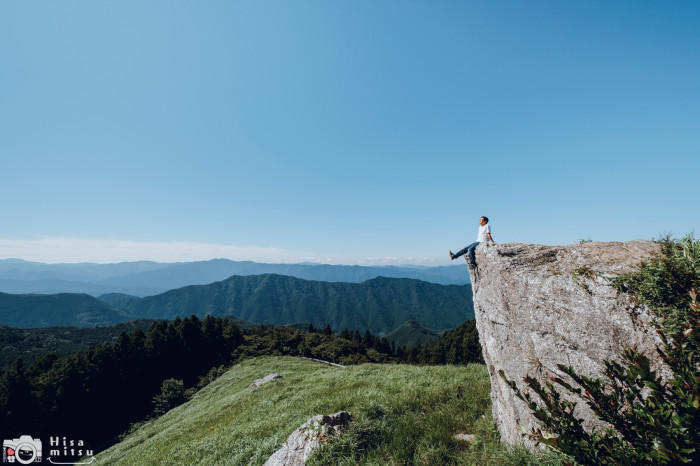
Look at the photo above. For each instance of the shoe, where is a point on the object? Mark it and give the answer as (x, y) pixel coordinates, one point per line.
(452, 256)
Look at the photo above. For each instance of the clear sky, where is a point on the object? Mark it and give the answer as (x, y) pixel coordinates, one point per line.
(343, 131)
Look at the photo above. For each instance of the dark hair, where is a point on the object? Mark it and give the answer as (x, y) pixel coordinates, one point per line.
(485, 218)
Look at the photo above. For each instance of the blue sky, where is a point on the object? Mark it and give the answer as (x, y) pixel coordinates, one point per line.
(344, 132)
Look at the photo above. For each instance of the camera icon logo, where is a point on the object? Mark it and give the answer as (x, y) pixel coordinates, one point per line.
(22, 450)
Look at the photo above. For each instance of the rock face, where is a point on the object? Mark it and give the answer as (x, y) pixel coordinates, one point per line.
(268, 378)
(538, 306)
(307, 438)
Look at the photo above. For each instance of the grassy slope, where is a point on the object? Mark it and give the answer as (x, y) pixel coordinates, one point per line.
(402, 414)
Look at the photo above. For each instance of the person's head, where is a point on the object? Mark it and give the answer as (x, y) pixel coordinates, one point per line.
(483, 221)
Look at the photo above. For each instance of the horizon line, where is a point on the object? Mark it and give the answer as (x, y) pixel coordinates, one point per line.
(72, 250)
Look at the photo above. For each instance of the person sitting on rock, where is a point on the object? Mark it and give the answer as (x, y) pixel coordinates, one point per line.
(483, 236)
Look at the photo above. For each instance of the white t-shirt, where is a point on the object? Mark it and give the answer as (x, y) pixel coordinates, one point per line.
(481, 237)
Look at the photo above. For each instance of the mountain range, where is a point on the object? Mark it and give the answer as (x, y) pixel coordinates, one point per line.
(145, 278)
(379, 305)
(64, 309)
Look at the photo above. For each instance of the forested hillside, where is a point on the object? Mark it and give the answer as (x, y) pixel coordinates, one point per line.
(77, 310)
(411, 334)
(379, 305)
(32, 343)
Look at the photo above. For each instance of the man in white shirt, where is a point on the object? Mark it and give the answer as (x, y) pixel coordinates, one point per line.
(483, 236)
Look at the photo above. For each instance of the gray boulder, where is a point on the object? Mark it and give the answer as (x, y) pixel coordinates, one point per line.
(301, 444)
(268, 378)
(537, 306)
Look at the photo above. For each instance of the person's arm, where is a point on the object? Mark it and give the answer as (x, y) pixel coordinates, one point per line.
(488, 235)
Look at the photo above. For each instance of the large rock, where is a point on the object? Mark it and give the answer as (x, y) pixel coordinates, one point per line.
(537, 306)
(302, 442)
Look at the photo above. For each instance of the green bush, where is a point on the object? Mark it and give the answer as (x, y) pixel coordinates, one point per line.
(172, 393)
(653, 421)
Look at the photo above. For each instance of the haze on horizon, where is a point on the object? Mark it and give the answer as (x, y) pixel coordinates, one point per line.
(351, 133)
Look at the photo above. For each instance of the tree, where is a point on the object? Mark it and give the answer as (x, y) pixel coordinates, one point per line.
(172, 393)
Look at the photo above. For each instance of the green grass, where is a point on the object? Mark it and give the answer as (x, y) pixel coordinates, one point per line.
(402, 414)
(581, 274)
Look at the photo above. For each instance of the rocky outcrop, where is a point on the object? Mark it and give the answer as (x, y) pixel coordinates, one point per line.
(538, 306)
(268, 378)
(301, 444)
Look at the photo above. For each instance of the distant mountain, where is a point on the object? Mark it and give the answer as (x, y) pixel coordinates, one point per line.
(53, 286)
(380, 304)
(411, 334)
(118, 300)
(17, 269)
(200, 273)
(78, 310)
(148, 278)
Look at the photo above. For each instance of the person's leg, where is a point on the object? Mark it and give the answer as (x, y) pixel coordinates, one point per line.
(458, 253)
(470, 249)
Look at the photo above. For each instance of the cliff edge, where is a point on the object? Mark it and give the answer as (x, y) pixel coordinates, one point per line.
(538, 306)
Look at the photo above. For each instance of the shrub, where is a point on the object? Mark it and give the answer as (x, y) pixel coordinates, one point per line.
(172, 393)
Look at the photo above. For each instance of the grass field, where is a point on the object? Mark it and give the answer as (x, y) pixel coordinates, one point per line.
(402, 414)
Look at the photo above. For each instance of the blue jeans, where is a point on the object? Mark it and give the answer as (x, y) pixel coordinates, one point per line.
(469, 249)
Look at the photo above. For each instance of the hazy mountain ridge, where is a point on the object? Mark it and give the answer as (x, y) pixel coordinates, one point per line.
(146, 278)
(63, 309)
(56, 286)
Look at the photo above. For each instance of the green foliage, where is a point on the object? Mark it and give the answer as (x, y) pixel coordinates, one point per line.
(653, 421)
(32, 344)
(581, 274)
(664, 283)
(172, 393)
(213, 374)
(457, 346)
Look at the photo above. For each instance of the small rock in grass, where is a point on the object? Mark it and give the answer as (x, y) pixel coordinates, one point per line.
(265, 379)
(469, 438)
